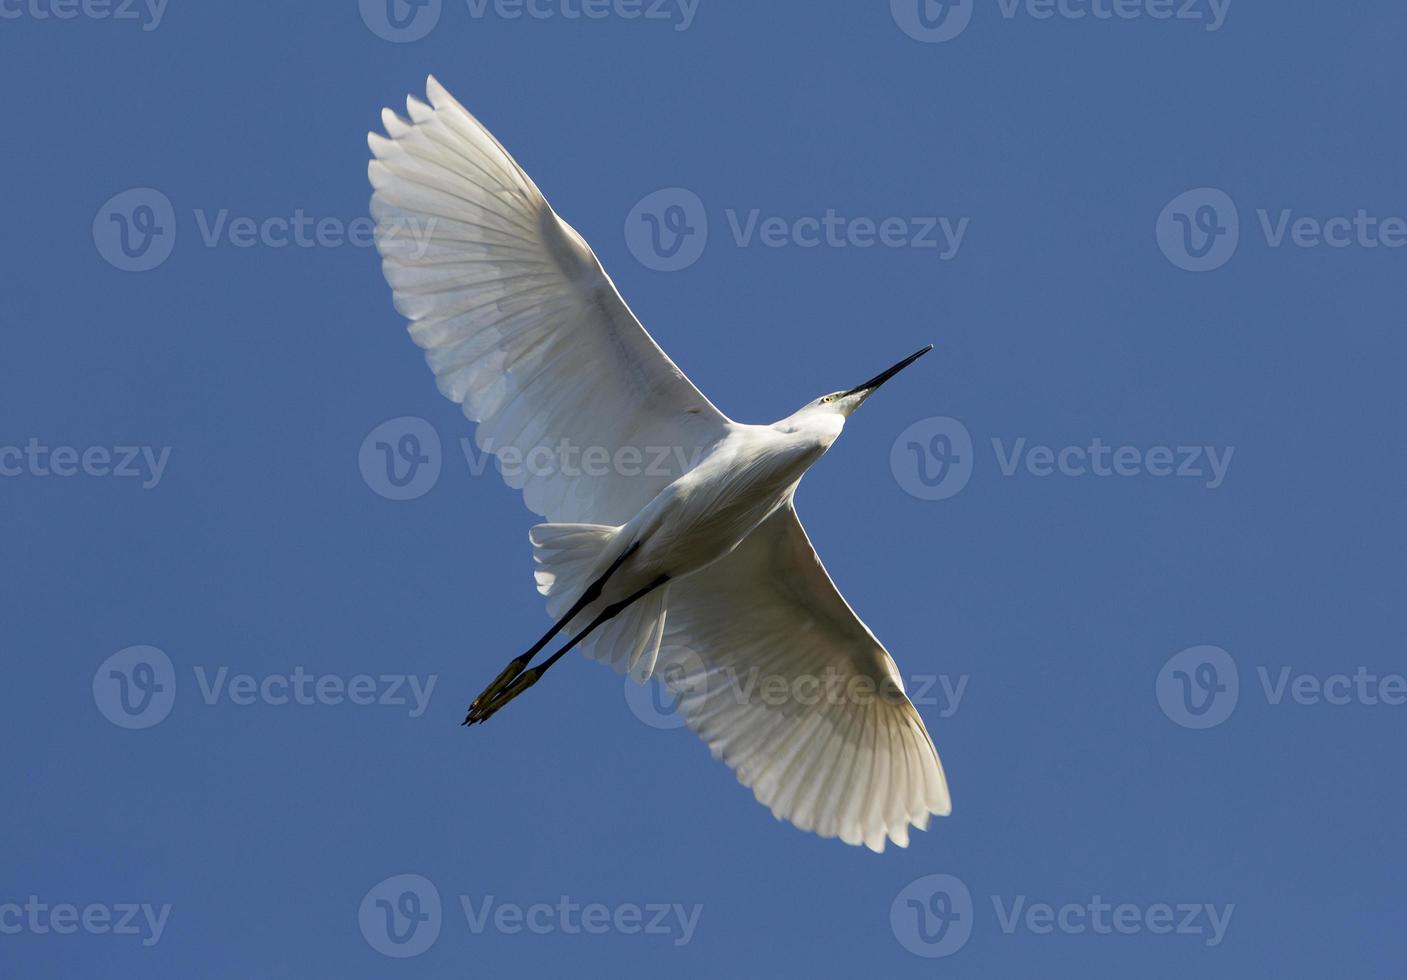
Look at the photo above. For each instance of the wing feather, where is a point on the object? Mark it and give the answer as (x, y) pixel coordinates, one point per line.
(785, 684)
(522, 326)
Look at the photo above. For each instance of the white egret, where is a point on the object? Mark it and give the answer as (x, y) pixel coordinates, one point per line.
(680, 552)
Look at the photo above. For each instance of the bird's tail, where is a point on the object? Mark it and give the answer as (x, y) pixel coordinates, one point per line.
(569, 558)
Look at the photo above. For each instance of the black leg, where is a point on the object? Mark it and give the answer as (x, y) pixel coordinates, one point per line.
(529, 677)
(517, 664)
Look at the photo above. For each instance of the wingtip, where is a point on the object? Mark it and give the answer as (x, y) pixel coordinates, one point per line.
(441, 98)
(394, 125)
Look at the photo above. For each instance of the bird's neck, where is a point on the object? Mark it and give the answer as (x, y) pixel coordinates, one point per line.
(809, 426)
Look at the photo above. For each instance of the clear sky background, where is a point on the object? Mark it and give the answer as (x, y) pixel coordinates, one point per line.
(1091, 760)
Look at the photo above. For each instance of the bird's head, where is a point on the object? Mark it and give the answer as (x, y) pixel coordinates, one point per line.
(842, 403)
(830, 411)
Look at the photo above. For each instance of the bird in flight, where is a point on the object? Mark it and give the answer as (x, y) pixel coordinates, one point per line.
(679, 552)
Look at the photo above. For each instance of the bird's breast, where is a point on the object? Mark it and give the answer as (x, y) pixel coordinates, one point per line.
(708, 511)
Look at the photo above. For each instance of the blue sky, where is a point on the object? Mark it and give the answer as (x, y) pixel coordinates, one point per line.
(1133, 532)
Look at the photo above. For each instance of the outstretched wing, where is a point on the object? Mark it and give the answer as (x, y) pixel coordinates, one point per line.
(521, 325)
(776, 673)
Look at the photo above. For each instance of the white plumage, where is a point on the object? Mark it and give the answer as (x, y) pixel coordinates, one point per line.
(523, 327)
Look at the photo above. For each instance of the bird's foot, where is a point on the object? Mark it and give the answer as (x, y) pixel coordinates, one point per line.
(485, 708)
(496, 686)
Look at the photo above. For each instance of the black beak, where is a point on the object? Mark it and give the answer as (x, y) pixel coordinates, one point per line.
(888, 373)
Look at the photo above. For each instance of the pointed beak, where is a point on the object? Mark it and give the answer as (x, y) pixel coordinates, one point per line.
(869, 386)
